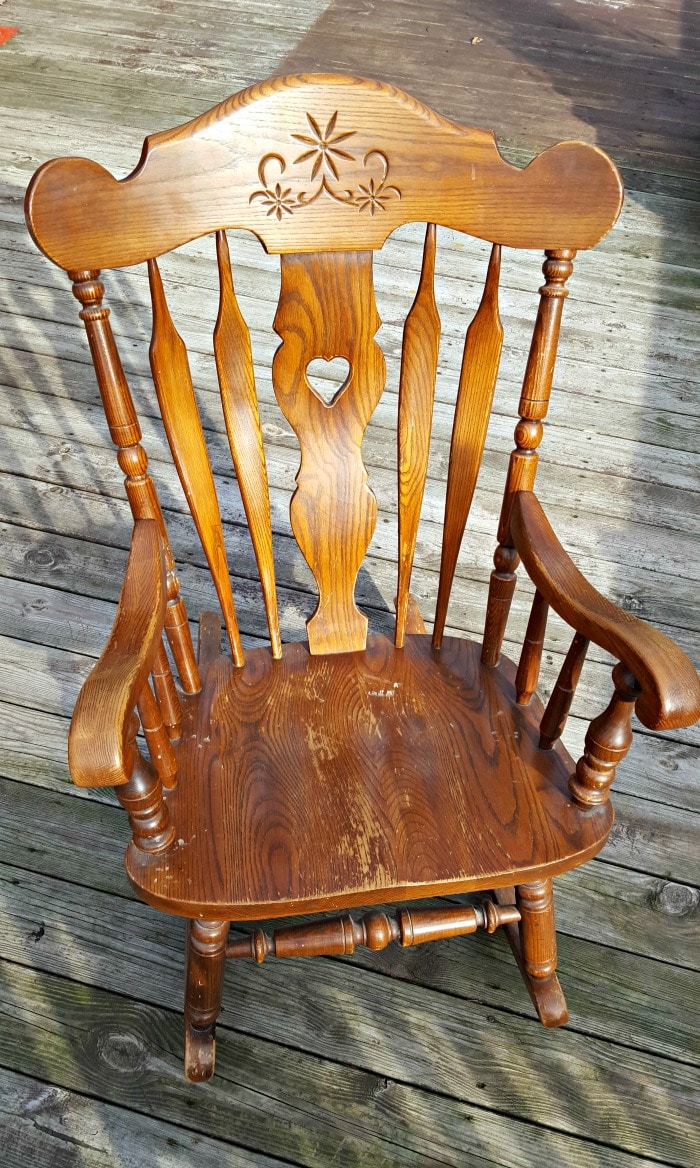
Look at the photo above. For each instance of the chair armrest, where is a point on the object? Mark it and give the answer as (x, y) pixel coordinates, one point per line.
(100, 753)
(670, 695)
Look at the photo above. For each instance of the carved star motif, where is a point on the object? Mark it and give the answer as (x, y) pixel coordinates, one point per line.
(323, 145)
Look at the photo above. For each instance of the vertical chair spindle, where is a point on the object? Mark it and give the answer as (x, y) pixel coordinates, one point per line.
(159, 747)
(477, 383)
(142, 799)
(529, 666)
(559, 704)
(534, 401)
(234, 366)
(166, 694)
(178, 406)
(419, 358)
(125, 432)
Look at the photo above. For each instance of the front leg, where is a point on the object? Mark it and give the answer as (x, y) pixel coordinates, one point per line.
(206, 958)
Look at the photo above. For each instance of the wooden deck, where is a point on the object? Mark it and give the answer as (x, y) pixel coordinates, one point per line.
(404, 1058)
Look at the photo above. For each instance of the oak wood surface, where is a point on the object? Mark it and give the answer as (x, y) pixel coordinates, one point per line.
(332, 769)
(477, 382)
(234, 366)
(419, 361)
(99, 747)
(343, 162)
(326, 309)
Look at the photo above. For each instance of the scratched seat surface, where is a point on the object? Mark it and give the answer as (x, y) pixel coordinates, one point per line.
(360, 777)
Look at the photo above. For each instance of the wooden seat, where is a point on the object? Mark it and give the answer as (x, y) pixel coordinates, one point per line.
(357, 778)
(349, 769)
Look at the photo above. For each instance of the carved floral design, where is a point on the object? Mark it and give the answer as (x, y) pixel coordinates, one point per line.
(326, 155)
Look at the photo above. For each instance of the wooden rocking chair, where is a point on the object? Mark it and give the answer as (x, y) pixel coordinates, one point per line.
(349, 769)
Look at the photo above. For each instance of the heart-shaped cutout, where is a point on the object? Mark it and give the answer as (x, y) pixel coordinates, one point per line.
(328, 378)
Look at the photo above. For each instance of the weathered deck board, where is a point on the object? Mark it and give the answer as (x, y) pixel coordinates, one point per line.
(442, 1057)
(429, 1055)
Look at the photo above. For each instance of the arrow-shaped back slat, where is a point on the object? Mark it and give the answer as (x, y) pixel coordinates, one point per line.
(419, 357)
(477, 382)
(183, 427)
(234, 365)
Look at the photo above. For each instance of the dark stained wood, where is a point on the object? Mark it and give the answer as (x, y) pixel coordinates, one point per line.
(307, 756)
(327, 309)
(545, 992)
(477, 382)
(419, 358)
(157, 738)
(670, 688)
(340, 935)
(559, 704)
(234, 365)
(531, 656)
(206, 960)
(178, 405)
(142, 798)
(166, 693)
(608, 739)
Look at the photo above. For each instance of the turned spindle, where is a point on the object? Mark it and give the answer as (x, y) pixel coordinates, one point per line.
(531, 657)
(538, 936)
(337, 936)
(125, 432)
(142, 799)
(157, 738)
(608, 739)
(534, 401)
(557, 711)
(166, 694)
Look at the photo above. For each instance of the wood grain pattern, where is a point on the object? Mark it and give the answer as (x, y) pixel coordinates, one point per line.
(159, 748)
(307, 794)
(234, 365)
(319, 163)
(178, 405)
(670, 686)
(360, 778)
(419, 358)
(327, 309)
(100, 752)
(477, 382)
(545, 993)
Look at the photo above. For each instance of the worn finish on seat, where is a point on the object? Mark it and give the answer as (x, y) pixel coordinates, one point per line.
(346, 770)
(416, 769)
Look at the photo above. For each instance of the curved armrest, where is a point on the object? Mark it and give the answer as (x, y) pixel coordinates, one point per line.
(670, 695)
(99, 747)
